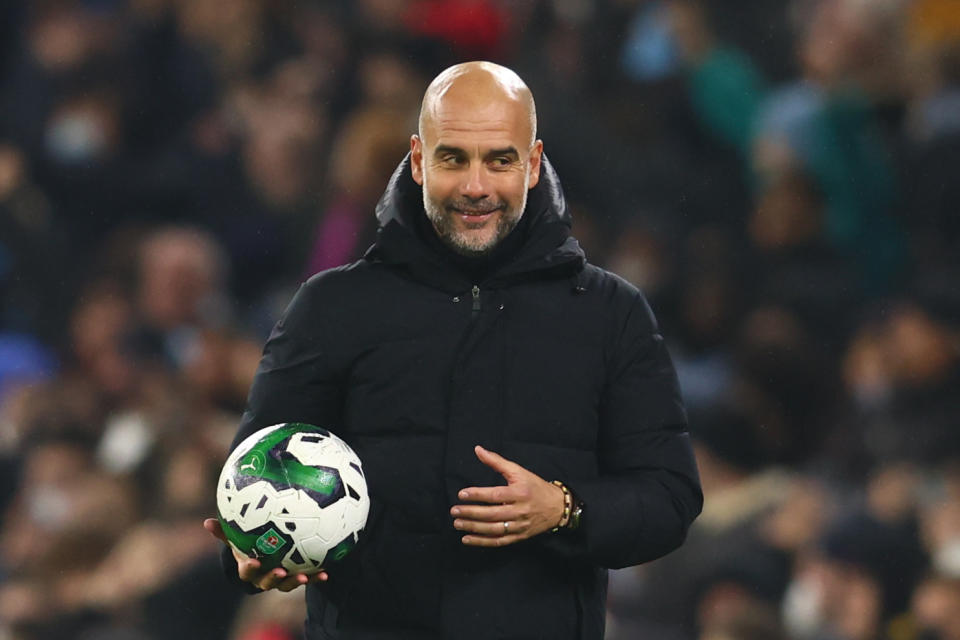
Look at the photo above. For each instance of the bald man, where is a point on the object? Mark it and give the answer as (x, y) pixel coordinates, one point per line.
(514, 406)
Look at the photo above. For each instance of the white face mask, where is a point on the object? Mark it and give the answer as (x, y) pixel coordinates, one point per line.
(49, 507)
(803, 607)
(874, 395)
(946, 558)
(74, 137)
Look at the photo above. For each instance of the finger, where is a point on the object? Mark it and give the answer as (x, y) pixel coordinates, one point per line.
(317, 578)
(272, 579)
(248, 568)
(498, 463)
(493, 495)
(292, 582)
(490, 541)
(486, 513)
(213, 526)
(490, 529)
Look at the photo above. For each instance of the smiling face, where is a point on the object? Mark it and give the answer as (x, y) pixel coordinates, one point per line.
(475, 156)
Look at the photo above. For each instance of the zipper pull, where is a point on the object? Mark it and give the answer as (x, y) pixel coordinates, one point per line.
(476, 298)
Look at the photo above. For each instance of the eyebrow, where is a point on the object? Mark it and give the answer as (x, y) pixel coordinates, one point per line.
(505, 151)
(443, 148)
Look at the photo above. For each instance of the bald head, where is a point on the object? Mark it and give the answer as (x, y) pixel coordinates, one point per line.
(476, 155)
(474, 84)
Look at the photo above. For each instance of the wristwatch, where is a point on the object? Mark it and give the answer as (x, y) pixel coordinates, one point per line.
(576, 515)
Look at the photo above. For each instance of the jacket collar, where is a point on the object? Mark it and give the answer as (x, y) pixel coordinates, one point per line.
(549, 249)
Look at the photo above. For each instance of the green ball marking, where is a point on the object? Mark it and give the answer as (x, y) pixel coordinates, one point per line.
(252, 464)
(259, 463)
(255, 545)
(340, 551)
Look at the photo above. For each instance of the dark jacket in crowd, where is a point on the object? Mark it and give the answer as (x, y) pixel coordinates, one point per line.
(549, 361)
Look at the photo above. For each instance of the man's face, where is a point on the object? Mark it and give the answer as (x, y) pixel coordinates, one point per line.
(476, 164)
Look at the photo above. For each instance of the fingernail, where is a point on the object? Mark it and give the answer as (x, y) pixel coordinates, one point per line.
(455, 511)
(458, 524)
(464, 494)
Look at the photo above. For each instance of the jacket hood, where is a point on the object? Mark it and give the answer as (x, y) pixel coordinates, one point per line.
(548, 250)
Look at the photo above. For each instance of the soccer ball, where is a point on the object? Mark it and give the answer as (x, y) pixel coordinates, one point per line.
(293, 495)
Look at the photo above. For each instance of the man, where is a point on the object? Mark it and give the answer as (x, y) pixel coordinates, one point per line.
(471, 358)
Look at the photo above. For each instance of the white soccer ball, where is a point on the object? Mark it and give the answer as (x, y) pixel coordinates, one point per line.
(293, 495)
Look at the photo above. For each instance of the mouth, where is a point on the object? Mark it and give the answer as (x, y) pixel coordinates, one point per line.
(473, 215)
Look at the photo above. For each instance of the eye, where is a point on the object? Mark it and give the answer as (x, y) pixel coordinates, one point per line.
(501, 162)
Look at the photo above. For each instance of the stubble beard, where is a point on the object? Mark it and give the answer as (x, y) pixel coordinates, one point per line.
(464, 242)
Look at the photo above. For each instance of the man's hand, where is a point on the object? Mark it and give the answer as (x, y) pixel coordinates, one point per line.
(527, 506)
(249, 568)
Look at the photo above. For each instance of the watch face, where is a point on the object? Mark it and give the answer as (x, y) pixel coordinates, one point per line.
(575, 516)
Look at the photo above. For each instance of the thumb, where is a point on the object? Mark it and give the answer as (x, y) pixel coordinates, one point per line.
(498, 463)
(213, 526)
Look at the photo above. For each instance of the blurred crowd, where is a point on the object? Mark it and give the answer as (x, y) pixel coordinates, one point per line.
(780, 177)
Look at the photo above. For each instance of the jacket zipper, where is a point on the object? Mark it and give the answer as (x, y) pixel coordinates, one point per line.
(476, 300)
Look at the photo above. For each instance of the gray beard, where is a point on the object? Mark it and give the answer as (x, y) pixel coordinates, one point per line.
(442, 222)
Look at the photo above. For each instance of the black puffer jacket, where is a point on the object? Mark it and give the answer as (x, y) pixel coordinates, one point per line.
(552, 362)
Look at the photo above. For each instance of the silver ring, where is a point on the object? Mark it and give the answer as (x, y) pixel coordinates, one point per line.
(506, 527)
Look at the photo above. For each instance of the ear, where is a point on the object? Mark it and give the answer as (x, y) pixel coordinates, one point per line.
(416, 158)
(535, 154)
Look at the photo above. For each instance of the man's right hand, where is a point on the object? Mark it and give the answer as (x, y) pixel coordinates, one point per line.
(249, 568)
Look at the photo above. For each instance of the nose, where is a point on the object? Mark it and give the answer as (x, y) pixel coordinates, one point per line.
(474, 184)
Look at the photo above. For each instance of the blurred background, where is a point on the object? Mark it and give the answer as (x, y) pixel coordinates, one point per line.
(780, 177)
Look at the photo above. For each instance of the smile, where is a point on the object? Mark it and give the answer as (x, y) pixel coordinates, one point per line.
(475, 220)
(467, 213)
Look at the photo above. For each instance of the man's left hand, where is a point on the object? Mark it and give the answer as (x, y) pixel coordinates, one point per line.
(527, 506)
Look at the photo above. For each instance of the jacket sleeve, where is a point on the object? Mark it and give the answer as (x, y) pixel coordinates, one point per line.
(298, 380)
(648, 490)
